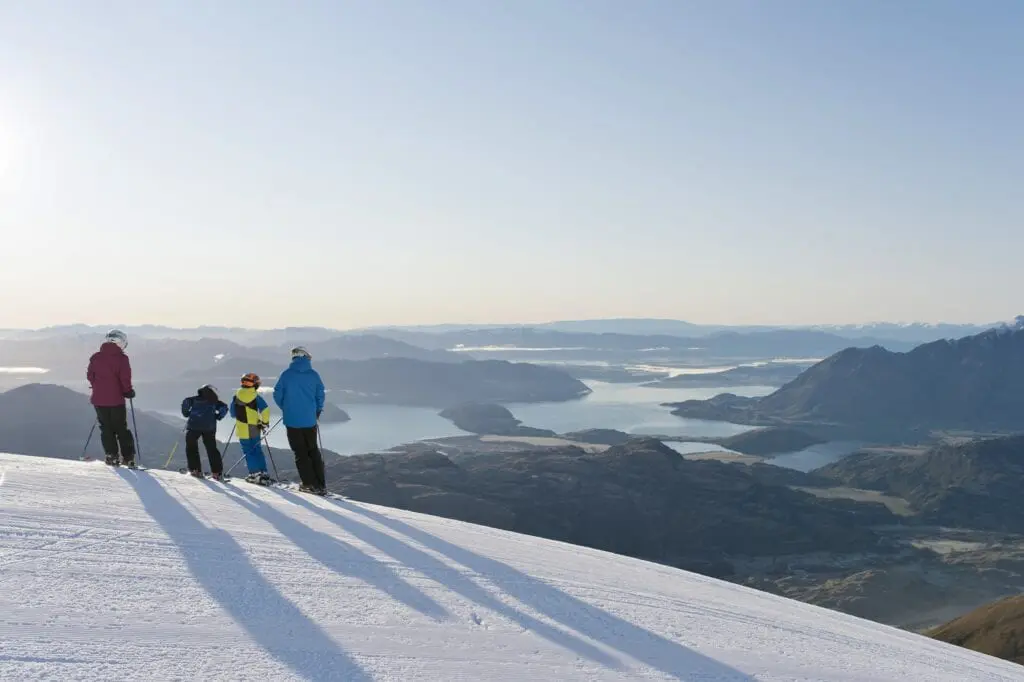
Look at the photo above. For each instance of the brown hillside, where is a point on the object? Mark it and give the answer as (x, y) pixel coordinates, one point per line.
(996, 629)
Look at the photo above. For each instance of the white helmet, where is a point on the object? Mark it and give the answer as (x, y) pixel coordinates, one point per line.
(118, 337)
(300, 352)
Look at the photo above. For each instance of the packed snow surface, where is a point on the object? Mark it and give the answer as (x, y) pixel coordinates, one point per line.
(148, 575)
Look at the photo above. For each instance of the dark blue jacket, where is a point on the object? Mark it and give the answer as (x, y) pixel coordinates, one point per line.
(300, 394)
(203, 411)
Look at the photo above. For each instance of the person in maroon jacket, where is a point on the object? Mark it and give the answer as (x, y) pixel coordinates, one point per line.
(110, 376)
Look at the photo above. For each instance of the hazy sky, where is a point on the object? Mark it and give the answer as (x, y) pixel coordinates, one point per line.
(347, 163)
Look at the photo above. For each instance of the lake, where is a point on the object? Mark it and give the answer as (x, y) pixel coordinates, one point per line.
(625, 407)
(816, 456)
(805, 460)
(629, 408)
(633, 409)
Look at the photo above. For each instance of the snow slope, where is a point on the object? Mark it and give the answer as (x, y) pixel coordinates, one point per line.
(113, 574)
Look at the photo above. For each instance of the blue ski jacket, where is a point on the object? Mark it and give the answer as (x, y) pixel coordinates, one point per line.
(300, 394)
(203, 411)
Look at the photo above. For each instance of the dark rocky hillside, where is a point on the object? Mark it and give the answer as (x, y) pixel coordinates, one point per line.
(490, 419)
(996, 629)
(976, 484)
(641, 499)
(768, 441)
(407, 381)
(403, 381)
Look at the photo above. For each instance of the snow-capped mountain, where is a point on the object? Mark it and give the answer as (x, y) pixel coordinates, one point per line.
(150, 575)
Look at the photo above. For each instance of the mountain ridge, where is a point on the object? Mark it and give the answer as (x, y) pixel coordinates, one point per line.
(964, 384)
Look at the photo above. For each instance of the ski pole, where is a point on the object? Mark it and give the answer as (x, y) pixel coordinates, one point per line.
(171, 456)
(135, 428)
(230, 436)
(321, 474)
(277, 477)
(87, 440)
(229, 445)
(174, 449)
(273, 427)
(235, 464)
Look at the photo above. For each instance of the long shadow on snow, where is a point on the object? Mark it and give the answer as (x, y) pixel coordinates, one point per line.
(671, 658)
(343, 558)
(222, 568)
(456, 581)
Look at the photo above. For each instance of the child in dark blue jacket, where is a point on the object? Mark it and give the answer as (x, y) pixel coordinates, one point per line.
(203, 411)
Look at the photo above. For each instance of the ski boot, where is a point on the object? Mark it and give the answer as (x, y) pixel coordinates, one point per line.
(258, 478)
(130, 463)
(217, 477)
(198, 473)
(112, 460)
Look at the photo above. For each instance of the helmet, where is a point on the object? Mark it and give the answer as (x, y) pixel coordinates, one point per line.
(250, 380)
(300, 352)
(118, 337)
(207, 392)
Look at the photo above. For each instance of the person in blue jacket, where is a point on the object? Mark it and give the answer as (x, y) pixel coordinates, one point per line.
(203, 411)
(300, 394)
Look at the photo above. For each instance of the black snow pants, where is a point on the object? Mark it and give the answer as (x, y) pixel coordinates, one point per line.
(308, 459)
(212, 453)
(114, 431)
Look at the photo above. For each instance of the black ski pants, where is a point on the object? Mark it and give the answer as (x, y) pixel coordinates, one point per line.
(114, 431)
(308, 459)
(212, 453)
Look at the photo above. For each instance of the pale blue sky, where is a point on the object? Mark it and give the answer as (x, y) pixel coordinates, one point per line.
(389, 161)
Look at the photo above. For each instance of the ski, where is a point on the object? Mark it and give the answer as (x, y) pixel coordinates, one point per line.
(206, 475)
(117, 464)
(290, 486)
(269, 484)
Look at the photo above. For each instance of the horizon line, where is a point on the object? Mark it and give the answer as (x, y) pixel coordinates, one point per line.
(521, 325)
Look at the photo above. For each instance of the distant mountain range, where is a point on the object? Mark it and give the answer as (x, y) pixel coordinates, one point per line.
(910, 332)
(861, 383)
(971, 384)
(167, 358)
(576, 345)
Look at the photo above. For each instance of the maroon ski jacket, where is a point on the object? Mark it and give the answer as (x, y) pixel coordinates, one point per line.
(110, 375)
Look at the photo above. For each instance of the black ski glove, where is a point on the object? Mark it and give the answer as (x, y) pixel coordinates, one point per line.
(130, 394)
(318, 412)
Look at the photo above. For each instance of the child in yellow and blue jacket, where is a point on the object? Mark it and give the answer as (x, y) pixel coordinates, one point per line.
(252, 418)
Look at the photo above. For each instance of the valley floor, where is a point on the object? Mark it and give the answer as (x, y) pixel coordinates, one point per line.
(124, 575)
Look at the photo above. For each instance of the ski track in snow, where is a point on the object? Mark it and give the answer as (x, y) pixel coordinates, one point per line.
(111, 574)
